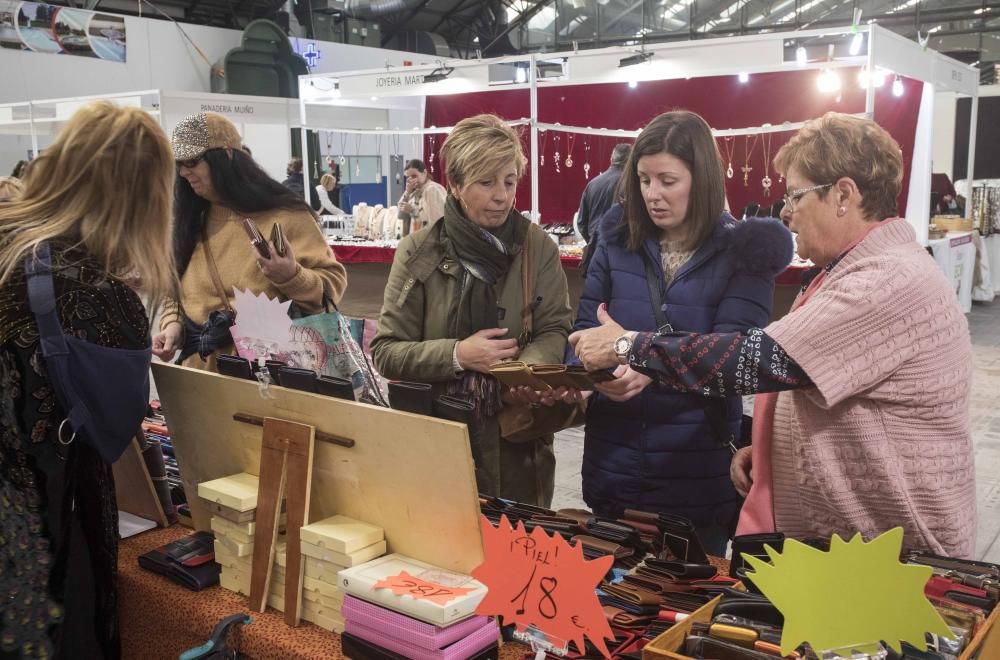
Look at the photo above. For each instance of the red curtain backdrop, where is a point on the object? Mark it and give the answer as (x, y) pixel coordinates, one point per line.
(723, 101)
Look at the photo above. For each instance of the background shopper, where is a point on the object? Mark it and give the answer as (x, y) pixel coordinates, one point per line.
(423, 199)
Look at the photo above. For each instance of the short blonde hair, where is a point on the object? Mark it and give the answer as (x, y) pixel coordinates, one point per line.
(10, 187)
(479, 147)
(327, 179)
(838, 145)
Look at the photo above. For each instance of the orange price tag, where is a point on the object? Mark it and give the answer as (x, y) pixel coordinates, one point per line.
(405, 584)
(537, 579)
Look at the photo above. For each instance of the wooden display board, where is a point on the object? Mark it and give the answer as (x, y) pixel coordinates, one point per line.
(409, 474)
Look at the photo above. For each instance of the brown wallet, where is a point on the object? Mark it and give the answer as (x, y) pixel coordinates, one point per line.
(604, 547)
(542, 377)
(631, 594)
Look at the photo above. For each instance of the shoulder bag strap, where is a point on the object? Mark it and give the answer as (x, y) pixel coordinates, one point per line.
(715, 409)
(655, 296)
(527, 290)
(213, 270)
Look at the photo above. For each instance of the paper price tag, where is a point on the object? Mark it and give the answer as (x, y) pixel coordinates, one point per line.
(405, 584)
(540, 580)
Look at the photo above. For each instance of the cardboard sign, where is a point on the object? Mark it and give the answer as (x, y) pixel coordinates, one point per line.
(850, 597)
(540, 580)
(405, 584)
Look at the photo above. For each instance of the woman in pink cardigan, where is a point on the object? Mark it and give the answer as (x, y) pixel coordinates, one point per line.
(862, 418)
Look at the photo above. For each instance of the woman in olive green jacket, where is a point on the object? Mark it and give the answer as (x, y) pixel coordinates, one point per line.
(453, 302)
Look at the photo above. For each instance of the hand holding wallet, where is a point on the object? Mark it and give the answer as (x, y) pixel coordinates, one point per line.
(544, 377)
(256, 238)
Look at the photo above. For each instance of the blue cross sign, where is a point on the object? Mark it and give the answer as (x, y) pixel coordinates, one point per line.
(311, 55)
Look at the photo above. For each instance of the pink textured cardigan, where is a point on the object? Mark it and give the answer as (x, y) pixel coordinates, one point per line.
(882, 439)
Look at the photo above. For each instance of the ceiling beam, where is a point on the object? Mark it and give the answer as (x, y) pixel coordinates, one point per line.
(403, 24)
(522, 18)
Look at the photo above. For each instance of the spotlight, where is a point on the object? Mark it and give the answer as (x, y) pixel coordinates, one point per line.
(801, 57)
(632, 60)
(744, 77)
(897, 87)
(877, 78)
(857, 41)
(633, 84)
(520, 75)
(828, 81)
(438, 74)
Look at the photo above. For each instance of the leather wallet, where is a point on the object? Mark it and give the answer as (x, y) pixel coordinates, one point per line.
(680, 601)
(603, 546)
(699, 646)
(411, 397)
(582, 516)
(189, 561)
(749, 606)
(338, 388)
(683, 571)
(631, 594)
(753, 545)
(297, 379)
(680, 539)
(541, 377)
(622, 619)
(235, 366)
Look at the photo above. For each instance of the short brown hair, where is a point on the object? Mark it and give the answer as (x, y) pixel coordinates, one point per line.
(686, 136)
(479, 147)
(838, 145)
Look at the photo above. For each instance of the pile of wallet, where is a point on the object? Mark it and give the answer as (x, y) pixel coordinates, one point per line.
(294, 378)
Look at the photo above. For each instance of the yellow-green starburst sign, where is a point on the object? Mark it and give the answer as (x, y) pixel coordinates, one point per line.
(850, 597)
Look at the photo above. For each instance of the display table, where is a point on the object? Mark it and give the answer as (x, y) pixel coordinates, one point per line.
(159, 619)
(956, 255)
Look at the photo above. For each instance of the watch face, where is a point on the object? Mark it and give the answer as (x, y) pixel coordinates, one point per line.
(622, 345)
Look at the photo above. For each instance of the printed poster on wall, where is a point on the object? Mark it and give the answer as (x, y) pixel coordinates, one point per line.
(43, 28)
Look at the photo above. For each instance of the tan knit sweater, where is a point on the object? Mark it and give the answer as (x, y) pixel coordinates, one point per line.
(237, 263)
(883, 438)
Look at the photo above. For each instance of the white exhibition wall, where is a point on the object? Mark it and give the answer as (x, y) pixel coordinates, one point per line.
(945, 114)
(159, 57)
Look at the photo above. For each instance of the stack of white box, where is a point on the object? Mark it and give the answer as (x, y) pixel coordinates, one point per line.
(327, 547)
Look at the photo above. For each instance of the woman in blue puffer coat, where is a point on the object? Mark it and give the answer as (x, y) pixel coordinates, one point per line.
(647, 447)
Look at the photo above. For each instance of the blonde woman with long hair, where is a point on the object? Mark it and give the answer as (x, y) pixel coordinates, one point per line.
(99, 201)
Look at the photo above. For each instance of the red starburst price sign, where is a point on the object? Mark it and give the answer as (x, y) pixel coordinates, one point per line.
(540, 580)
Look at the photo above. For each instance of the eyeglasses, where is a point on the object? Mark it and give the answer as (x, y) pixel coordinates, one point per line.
(190, 163)
(793, 197)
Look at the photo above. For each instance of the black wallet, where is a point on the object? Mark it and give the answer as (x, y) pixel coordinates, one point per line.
(296, 378)
(189, 561)
(235, 366)
(697, 646)
(680, 539)
(338, 388)
(411, 397)
(753, 545)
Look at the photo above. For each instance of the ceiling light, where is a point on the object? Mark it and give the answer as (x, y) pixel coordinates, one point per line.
(897, 87)
(828, 81)
(744, 77)
(878, 79)
(632, 60)
(857, 41)
(438, 74)
(801, 58)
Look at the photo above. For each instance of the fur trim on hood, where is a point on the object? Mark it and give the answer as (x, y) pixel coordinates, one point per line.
(761, 246)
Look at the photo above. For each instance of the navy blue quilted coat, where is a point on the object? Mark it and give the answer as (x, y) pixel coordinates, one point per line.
(656, 452)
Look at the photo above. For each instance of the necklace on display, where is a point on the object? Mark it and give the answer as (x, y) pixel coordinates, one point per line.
(748, 152)
(586, 159)
(765, 142)
(570, 143)
(343, 148)
(541, 148)
(556, 141)
(378, 162)
(357, 155)
(430, 159)
(729, 144)
(328, 138)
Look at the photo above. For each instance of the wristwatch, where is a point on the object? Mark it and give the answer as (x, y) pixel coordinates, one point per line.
(623, 346)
